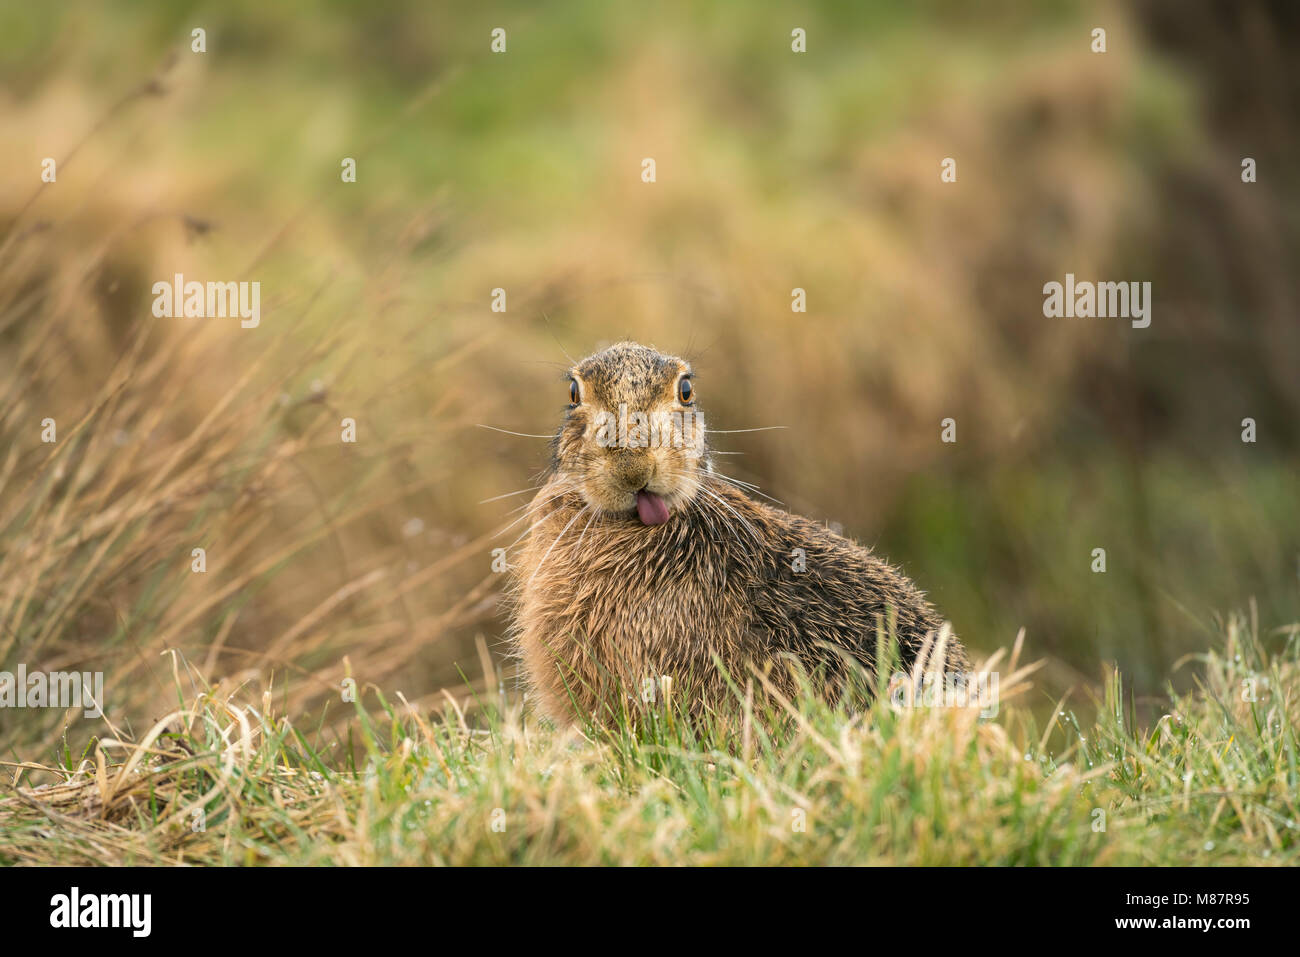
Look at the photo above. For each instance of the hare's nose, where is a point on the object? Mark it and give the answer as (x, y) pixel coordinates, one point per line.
(633, 472)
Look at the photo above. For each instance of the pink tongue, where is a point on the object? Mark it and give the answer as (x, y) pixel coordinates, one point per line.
(651, 508)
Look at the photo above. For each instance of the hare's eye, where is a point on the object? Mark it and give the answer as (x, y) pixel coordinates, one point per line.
(685, 392)
(575, 394)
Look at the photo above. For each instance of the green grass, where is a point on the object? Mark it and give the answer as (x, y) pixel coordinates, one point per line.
(1213, 780)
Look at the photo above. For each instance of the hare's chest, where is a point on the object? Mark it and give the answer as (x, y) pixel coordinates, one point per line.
(613, 606)
(614, 620)
(629, 607)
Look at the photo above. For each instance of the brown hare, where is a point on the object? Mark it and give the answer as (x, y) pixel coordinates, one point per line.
(643, 562)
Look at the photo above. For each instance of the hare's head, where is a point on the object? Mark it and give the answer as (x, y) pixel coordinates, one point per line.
(632, 438)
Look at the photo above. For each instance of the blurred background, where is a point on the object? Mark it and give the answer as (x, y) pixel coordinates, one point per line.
(522, 171)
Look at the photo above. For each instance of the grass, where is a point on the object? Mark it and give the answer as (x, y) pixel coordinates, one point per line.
(1214, 780)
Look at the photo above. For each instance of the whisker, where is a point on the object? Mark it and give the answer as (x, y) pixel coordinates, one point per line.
(526, 435)
(747, 486)
(524, 534)
(723, 517)
(730, 508)
(766, 428)
(556, 542)
(584, 529)
(530, 507)
(526, 516)
(740, 483)
(706, 513)
(497, 498)
(551, 329)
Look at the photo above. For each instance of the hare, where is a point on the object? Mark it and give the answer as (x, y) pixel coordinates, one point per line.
(643, 563)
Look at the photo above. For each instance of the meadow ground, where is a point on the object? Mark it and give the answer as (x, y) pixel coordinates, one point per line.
(220, 781)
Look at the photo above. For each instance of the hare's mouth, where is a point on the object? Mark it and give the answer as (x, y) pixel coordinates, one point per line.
(651, 508)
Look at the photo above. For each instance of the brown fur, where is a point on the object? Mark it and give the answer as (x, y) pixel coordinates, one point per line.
(603, 602)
